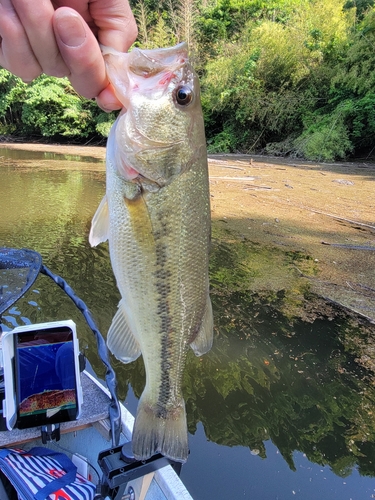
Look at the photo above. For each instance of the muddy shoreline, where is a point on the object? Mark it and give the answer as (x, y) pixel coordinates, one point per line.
(315, 222)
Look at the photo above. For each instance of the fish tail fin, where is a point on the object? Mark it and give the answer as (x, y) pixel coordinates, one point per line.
(160, 431)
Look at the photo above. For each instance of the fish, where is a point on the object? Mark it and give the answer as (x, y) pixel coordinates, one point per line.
(156, 217)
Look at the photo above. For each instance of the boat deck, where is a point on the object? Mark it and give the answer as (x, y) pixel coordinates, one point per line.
(90, 434)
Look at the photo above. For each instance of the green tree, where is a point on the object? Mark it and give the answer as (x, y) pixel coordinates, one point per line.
(257, 91)
(346, 123)
(279, 76)
(11, 97)
(49, 107)
(52, 108)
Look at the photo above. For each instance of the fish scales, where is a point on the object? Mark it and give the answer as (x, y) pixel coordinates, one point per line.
(156, 216)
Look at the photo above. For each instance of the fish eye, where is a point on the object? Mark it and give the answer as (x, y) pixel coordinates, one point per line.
(184, 95)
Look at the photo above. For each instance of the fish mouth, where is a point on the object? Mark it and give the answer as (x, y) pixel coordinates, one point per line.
(149, 62)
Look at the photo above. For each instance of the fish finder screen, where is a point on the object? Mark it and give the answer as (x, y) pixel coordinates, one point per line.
(45, 377)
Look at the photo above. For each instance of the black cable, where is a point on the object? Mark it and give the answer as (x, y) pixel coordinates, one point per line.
(110, 376)
(58, 445)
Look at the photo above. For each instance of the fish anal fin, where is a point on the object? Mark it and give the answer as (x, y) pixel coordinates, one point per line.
(121, 340)
(160, 432)
(203, 341)
(100, 224)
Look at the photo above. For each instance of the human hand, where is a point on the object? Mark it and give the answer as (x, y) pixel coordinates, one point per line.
(60, 38)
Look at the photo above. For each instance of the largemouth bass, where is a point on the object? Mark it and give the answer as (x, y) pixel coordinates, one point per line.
(156, 217)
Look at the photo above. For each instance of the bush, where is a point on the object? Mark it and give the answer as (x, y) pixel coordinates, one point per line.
(224, 142)
(104, 122)
(257, 92)
(326, 140)
(52, 108)
(12, 94)
(49, 107)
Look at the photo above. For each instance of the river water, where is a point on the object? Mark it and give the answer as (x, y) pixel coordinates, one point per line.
(279, 409)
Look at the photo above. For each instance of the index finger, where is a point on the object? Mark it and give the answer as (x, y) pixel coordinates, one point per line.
(115, 22)
(16, 54)
(37, 23)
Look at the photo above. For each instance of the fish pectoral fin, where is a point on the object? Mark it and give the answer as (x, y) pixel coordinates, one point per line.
(121, 340)
(203, 341)
(100, 224)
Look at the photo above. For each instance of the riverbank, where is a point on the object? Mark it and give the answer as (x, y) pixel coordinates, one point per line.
(315, 223)
(320, 216)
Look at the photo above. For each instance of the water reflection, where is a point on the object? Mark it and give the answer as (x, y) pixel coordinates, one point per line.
(19, 155)
(269, 377)
(298, 386)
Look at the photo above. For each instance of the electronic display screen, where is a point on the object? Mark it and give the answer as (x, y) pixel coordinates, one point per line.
(46, 386)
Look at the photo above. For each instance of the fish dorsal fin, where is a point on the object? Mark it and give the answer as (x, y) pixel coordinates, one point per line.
(121, 340)
(100, 224)
(203, 341)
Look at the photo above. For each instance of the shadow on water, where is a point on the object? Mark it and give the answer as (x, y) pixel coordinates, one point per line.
(286, 367)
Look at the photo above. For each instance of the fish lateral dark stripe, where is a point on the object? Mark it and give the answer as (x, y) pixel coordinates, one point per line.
(164, 288)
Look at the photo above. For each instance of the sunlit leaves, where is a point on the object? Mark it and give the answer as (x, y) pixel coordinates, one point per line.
(52, 108)
(282, 76)
(48, 107)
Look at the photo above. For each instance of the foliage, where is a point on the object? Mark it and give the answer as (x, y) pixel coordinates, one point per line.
(52, 108)
(223, 142)
(161, 29)
(257, 91)
(326, 139)
(11, 96)
(361, 6)
(48, 107)
(104, 122)
(282, 76)
(352, 88)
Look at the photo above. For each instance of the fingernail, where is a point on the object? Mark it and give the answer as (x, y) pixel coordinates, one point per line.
(109, 107)
(71, 30)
